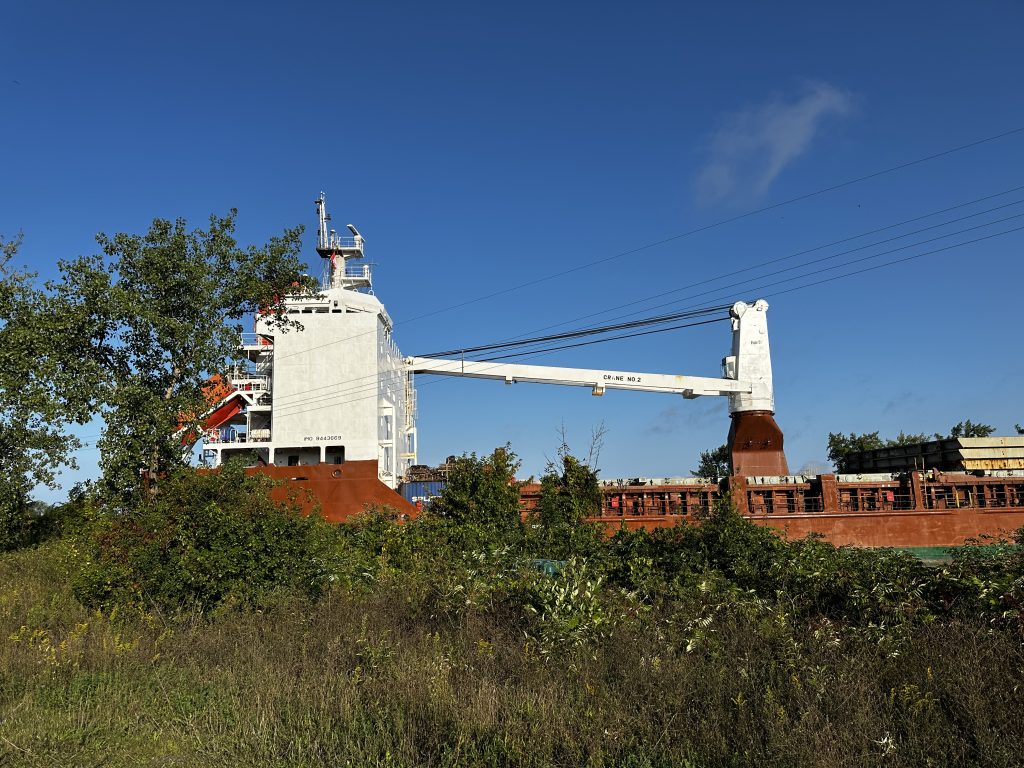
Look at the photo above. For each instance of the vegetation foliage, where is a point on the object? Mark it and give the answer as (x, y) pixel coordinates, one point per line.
(714, 464)
(840, 446)
(206, 540)
(33, 441)
(131, 334)
(210, 625)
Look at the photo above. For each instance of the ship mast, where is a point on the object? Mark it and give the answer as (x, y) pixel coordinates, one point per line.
(338, 249)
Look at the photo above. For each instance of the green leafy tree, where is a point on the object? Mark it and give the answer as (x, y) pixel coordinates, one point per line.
(969, 429)
(33, 408)
(904, 439)
(840, 446)
(714, 464)
(151, 318)
(482, 491)
(569, 491)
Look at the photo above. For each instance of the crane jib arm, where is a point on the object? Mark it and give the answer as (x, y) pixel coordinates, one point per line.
(597, 380)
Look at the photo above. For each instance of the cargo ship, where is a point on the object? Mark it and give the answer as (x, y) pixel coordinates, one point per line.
(331, 409)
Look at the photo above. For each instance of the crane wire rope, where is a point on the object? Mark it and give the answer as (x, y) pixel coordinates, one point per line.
(729, 220)
(777, 293)
(800, 253)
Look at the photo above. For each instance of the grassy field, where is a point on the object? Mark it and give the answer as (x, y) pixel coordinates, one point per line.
(416, 669)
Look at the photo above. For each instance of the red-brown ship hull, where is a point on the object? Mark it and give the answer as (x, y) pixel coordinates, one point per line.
(916, 509)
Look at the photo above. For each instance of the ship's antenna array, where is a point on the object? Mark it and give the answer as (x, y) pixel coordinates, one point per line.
(337, 250)
(328, 242)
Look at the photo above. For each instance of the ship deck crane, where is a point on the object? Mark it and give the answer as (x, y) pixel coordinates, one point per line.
(755, 440)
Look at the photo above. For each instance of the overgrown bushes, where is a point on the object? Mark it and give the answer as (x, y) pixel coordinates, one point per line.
(471, 639)
(204, 540)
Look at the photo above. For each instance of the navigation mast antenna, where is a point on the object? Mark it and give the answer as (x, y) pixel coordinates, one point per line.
(338, 250)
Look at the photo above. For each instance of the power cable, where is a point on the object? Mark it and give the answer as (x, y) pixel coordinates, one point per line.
(723, 222)
(730, 274)
(803, 253)
(581, 332)
(707, 227)
(663, 318)
(800, 287)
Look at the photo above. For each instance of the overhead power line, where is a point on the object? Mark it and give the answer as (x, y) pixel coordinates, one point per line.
(345, 398)
(538, 353)
(723, 222)
(582, 332)
(351, 386)
(725, 275)
(705, 228)
(804, 252)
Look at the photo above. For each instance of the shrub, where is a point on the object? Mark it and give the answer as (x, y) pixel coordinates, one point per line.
(14, 521)
(206, 539)
(482, 491)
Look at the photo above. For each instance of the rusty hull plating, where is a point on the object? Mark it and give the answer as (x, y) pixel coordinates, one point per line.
(756, 445)
(912, 509)
(341, 491)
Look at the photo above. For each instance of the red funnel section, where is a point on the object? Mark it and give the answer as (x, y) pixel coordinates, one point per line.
(755, 443)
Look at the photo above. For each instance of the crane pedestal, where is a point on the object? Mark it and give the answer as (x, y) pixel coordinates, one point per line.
(756, 444)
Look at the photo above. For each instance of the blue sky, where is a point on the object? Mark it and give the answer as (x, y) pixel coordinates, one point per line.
(479, 147)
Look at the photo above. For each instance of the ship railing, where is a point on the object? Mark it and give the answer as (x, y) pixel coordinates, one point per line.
(879, 501)
(874, 502)
(949, 498)
(357, 272)
(1000, 500)
(232, 437)
(235, 437)
(343, 241)
(244, 380)
(652, 510)
(256, 340)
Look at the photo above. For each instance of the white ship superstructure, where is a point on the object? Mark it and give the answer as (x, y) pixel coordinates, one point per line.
(307, 396)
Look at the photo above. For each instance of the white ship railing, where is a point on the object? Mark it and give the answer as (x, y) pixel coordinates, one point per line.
(256, 340)
(235, 437)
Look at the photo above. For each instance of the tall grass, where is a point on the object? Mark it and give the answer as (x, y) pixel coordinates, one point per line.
(418, 659)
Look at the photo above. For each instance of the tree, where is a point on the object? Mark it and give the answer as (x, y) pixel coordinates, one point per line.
(569, 491)
(905, 439)
(482, 491)
(969, 429)
(151, 318)
(33, 444)
(714, 464)
(1019, 428)
(840, 446)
